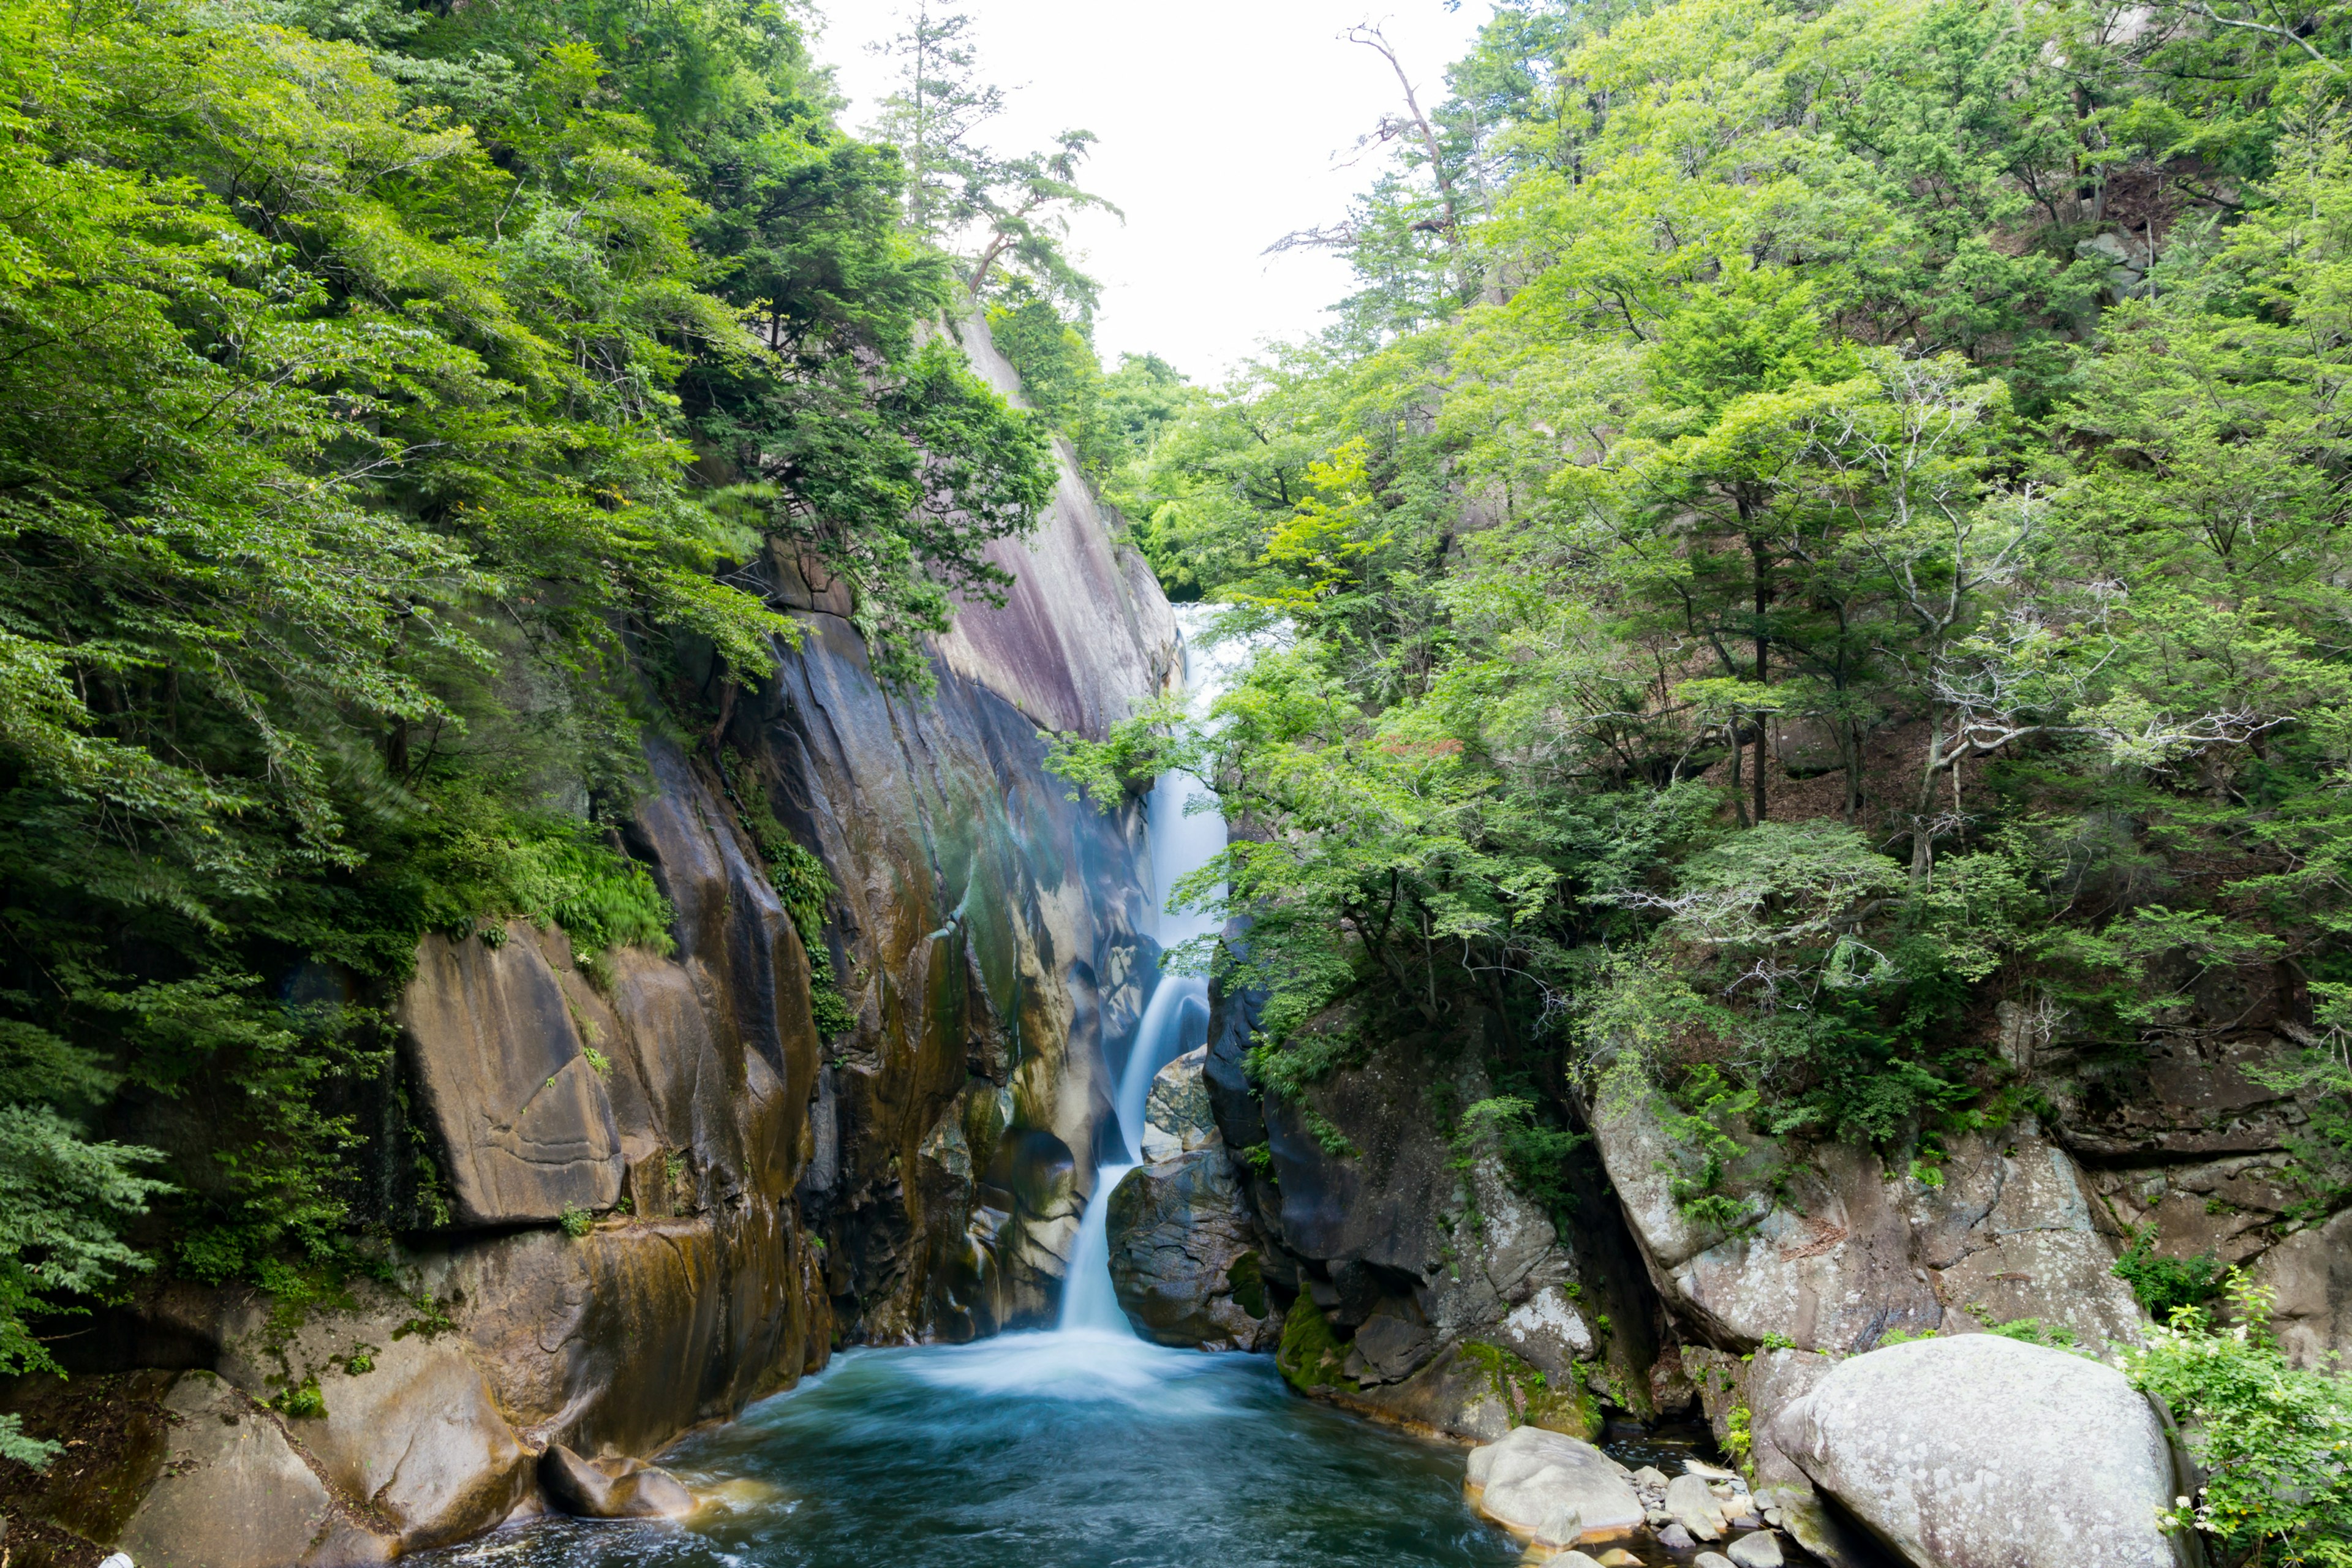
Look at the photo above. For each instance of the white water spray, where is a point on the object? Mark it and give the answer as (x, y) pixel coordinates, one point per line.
(1185, 832)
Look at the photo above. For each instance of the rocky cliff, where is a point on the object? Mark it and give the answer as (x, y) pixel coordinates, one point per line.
(651, 1190)
(1413, 1283)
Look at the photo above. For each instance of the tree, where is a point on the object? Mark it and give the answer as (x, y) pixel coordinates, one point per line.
(1007, 217)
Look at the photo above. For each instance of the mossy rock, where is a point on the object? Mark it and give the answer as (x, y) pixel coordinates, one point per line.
(1533, 1399)
(1311, 1355)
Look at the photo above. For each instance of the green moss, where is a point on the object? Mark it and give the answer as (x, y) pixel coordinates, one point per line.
(1531, 1397)
(1246, 1285)
(1311, 1355)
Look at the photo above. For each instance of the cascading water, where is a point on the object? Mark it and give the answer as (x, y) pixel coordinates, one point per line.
(1071, 1448)
(1185, 832)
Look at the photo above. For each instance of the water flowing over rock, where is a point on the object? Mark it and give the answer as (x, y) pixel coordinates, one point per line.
(1982, 1452)
(651, 1190)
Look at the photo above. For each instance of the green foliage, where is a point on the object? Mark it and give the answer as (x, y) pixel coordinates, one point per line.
(303, 1401)
(2034, 1331)
(2164, 1287)
(1738, 1434)
(1814, 547)
(389, 401)
(576, 1222)
(1533, 1155)
(1707, 1116)
(2275, 1441)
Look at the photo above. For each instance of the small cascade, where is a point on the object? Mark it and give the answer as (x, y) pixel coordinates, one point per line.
(1186, 831)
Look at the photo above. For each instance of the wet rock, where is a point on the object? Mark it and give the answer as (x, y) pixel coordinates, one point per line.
(1676, 1539)
(1184, 1256)
(1177, 1117)
(1711, 1560)
(611, 1488)
(500, 1078)
(1762, 1550)
(1649, 1478)
(1552, 1490)
(1618, 1557)
(1982, 1451)
(1575, 1560)
(231, 1491)
(1694, 1507)
(1392, 1344)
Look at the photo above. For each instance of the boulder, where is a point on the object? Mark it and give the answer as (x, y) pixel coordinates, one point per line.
(231, 1492)
(1762, 1550)
(410, 1424)
(1552, 1490)
(1984, 1452)
(1711, 1560)
(519, 1111)
(1177, 1117)
(1184, 1256)
(1694, 1507)
(611, 1488)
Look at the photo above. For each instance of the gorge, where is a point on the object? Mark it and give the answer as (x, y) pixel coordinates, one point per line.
(679, 886)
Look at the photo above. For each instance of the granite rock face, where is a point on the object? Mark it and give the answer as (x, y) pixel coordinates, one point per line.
(650, 1190)
(525, 1127)
(1983, 1452)
(1831, 1254)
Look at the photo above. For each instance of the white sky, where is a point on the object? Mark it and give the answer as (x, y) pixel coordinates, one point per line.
(1219, 121)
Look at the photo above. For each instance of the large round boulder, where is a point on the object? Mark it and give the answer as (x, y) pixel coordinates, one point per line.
(1184, 1256)
(1553, 1491)
(1983, 1452)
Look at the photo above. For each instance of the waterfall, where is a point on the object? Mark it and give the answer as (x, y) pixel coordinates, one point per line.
(1185, 830)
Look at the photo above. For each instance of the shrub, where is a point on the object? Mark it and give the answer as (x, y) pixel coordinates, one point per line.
(2163, 1286)
(2276, 1441)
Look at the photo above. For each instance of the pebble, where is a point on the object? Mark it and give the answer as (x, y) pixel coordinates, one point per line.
(1660, 1519)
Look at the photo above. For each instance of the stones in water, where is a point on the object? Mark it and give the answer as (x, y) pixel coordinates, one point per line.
(1711, 1560)
(1676, 1539)
(1694, 1507)
(1981, 1452)
(1552, 1490)
(1184, 1258)
(612, 1488)
(1762, 1550)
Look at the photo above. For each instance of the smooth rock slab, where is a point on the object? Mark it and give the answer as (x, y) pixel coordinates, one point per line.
(1552, 1490)
(232, 1492)
(1982, 1452)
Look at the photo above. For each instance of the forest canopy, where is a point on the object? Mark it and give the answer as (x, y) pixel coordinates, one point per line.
(1816, 523)
(392, 401)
